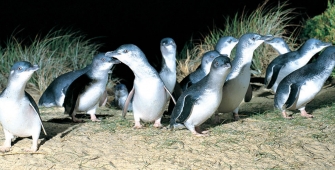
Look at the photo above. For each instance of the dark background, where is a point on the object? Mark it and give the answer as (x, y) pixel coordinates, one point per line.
(140, 22)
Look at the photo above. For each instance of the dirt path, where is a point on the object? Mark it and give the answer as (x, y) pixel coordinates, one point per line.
(250, 143)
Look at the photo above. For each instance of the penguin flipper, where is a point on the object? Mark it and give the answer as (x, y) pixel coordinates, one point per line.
(126, 103)
(186, 109)
(275, 72)
(34, 106)
(293, 96)
(73, 92)
(167, 90)
(248, 95)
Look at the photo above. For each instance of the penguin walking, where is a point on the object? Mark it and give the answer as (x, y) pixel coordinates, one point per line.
(54, 95)
(238, 80)
(149, 94)
(200, 101)
(85, 92)
(19, 114)
(302, 85)
(286, 63)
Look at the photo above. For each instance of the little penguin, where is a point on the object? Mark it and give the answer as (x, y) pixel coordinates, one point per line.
(85, 92)
(201, 71)
(168, 72)
(54, 95)
(279, 45)
(238, 80)
(149, 94)
(226, 44)
(286, 63)
(19, 114)
(302, 85)
(121, 94)
(197, 103)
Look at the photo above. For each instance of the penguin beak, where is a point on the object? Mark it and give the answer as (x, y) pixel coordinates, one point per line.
(112, 54)
(33, 68)
(115, 61)
(326, 44)
(267, 37)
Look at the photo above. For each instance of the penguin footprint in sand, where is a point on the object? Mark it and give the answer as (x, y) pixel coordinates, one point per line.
(19, 114)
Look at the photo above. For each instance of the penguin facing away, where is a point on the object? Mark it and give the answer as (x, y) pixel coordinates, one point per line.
(85, 92)
(286, 63)
(149, 94)
(302, 85)
(197, 103)
(238, 80)
(19, 114)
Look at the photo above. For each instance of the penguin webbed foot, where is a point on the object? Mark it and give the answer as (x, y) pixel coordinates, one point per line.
(305, 114)
(157, 123)
(236, 116)
(94, 118)
(286, 116)
(137, 125)
(199, 133)
(4, 148)
(32, 149)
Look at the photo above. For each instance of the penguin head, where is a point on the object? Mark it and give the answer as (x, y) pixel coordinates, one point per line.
(23, 68)
(120, 90)
(226, 44)
(168, 45)
(313, 46)
(207, 59)
(221, 62)
(252, 41)
(278, 44)
(128, 54)
(102, 62)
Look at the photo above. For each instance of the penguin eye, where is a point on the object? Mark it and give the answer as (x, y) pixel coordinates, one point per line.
(253, 38)
(125, 51)
(103, 59)
(20, 68)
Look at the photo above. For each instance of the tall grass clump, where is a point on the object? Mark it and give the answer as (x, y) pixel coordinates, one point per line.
(321, 26)
(274, 20)
(57, 52)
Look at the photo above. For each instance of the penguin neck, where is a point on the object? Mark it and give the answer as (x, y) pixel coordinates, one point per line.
(169, 62)
(215, 82)
(15, 89)
(241, 62)
(307, 53)
(282, 49)
(144, 70)
(97, 74)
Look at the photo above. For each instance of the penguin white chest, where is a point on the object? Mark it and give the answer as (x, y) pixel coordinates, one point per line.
(307, 93)
(18, 117)
(205, 107)
(149, 99)
(90, 97)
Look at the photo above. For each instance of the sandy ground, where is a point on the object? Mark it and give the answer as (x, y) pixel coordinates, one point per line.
(113, 144)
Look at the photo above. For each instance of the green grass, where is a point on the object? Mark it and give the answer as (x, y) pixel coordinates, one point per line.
(56, 53)
(274, 20)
